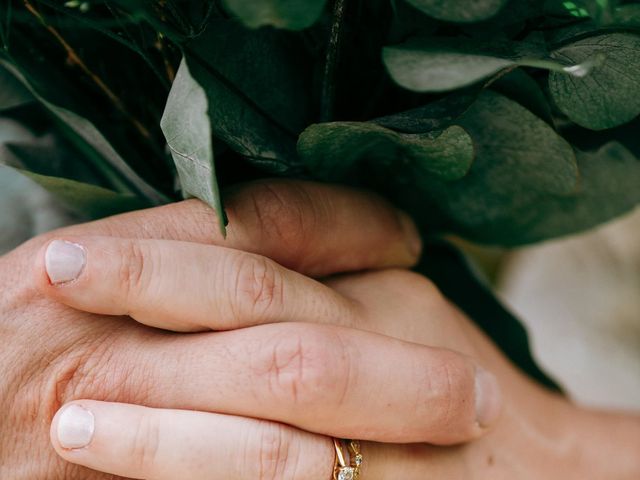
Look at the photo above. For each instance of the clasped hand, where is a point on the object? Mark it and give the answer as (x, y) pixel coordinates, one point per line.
(268, 363)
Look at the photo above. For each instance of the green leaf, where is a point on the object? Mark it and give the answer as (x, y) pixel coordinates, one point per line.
(609, 94)
(256, 84)
(187, 129)
(12, 92)
(520, 160)
(509, 137)
(461, 11)
(510, 22)
(49, 155)
(407, 21)
(87, 201)
(436, 115)
(432, 64)
(609, 179)
(522, 88)
(341, 150)
(290, 14)
(91, 141)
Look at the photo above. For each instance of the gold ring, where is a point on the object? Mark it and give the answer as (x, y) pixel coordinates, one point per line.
(343, 470)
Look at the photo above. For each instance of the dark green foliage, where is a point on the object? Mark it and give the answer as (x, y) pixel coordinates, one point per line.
(478, 117)
(606, 96)
(294, 14)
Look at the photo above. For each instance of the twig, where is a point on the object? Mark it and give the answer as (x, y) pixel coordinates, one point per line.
(333, 55)
(75, 59)
(170, 71)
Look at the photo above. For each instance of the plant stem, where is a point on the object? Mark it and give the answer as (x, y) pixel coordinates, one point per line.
(75, 59)
(170, 71)
(331, 62)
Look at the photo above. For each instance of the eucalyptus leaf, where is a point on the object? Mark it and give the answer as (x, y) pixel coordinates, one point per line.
(510, 22)
(609, 180)
(188, 132)
(433, 64)
(520, 160)
(256, 85)
(436, 115)
(291, 14)
(461, 11)
(407, 21)
(85, 200)
(519, 86)
(608, 94)
(343, 150)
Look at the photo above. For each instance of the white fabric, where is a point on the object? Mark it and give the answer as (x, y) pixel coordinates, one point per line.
(580, 299)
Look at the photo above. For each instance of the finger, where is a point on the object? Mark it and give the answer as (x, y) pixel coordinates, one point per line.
(324, 379)
(312, 228)
(138, 442)
(183, 286)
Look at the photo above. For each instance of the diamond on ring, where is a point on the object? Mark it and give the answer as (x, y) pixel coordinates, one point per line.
(346, 473)
(347, 467)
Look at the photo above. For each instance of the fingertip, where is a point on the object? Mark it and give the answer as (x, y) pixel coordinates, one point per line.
(398, 245)
(72, 428)
(64, 261)
(488, 398)
(411, 236)
(59, 266)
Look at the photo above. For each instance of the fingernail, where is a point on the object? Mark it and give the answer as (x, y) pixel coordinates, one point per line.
(488, 397)
(64, 261)
(411, 235)
(75, 427)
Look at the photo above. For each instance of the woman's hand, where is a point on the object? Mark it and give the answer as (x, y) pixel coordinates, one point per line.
(333, 377)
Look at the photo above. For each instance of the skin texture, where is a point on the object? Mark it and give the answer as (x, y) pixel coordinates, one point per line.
(539, 435)
(53, 354)
(56, 354)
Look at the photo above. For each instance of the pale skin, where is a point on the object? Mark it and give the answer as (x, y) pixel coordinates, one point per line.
(411, 357)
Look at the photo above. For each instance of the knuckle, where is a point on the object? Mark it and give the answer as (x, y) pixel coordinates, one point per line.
(144, 443)
(87, 370)
(414, 286)
(452, 389)
(48, 384)
(136, 265)
(298, 368)
(270, 452)
(258, 289)
(286, 215)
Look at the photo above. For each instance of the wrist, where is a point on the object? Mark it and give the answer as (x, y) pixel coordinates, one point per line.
(603, 444)
(554, 438)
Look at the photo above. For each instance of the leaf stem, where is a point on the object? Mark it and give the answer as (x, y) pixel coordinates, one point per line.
(333, 53)
(160, 46)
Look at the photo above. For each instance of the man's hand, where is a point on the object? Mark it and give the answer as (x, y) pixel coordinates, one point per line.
(52, 354)
(382, 356)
